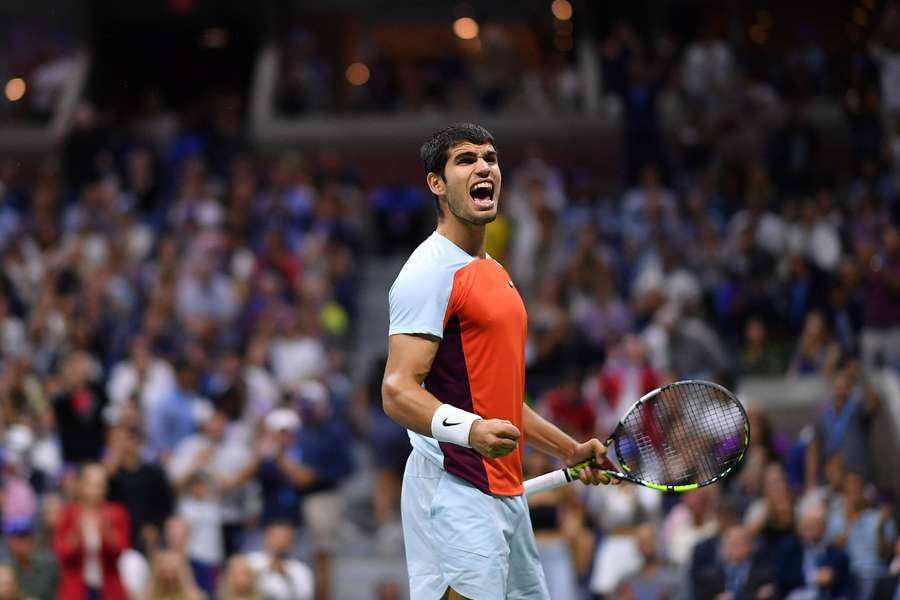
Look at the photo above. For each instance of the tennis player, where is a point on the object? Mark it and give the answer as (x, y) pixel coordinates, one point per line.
(455, 378)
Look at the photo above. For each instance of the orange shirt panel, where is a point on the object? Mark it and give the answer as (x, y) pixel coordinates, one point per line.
(493, 328)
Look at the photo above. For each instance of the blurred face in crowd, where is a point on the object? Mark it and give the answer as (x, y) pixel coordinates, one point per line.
(131, 444)
(645, 536)
(177, 534)
(51, 508)
(21, 546)
(812, 525)
(166, 570)
(280, 540)
(854, 491)
(9, 590)
(92, 484)
(840, 388)
(737, 544)
(470, 186)
(239, 577)
(198, 488)
(216, 425)
(755, 331)
(834, 470)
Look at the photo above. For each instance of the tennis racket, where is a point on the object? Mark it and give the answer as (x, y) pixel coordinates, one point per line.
(677, 438)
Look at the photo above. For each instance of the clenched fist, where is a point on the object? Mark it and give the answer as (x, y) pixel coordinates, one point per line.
(493, 438)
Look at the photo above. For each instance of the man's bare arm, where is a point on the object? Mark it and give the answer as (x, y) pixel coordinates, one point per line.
(550, 439)
(409, 404)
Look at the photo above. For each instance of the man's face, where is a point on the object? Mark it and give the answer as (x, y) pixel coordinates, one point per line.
(20, 545)
(471, 183)
(280, 540)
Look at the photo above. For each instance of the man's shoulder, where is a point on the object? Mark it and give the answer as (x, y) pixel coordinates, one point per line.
(435, 257)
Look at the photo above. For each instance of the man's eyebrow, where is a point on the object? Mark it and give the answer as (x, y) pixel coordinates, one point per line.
(473, 154)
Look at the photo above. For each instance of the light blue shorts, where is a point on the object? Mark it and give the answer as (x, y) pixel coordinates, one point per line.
(456, 536)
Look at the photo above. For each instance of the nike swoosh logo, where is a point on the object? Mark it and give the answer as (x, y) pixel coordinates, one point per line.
(446, 424)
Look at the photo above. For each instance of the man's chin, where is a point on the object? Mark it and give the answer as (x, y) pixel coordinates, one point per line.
(484, 218)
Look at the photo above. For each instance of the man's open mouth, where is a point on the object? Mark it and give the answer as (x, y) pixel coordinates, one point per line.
(482, 194)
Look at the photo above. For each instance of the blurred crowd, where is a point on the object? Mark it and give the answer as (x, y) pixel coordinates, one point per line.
(500, 70)
(177, 319)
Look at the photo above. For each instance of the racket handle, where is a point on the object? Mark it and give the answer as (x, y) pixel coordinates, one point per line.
(554, 479)
(547, 481)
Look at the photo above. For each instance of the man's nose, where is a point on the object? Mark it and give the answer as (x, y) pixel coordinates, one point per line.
(482, 167)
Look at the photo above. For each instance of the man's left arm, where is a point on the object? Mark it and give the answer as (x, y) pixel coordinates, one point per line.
(546, 437)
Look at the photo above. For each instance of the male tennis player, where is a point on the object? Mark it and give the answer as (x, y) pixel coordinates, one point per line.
(458, 326)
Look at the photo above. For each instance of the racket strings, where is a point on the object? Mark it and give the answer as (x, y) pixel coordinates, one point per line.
(691, 432)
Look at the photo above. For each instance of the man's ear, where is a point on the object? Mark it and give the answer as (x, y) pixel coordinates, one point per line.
(436, 184)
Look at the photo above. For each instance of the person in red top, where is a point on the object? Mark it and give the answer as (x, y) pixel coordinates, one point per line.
(90, 536)
(455, 378)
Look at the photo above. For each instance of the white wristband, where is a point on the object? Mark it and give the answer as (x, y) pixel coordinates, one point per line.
(451, 424)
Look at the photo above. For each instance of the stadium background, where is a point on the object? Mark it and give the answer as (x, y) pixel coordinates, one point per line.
(202, 205)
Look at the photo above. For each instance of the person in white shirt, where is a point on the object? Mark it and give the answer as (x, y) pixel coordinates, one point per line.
(279, 576)
(222, 451)
(201, 511)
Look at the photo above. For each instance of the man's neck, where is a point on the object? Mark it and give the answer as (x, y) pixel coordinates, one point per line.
(469, 237)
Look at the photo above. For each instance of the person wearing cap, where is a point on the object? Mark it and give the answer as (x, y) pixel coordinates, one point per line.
(278, 469)
(35, 567)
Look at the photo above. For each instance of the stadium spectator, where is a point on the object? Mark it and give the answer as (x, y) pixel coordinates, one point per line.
(843, 427)
(78, 410)
(687, 523)
(34, 565)
(808, 566)
(771, 517)
(707, 551)
(866, 532)
(217, 454)
(90, 536)
(171, 579)
(141, 487)
(758, 355)
(738, 571)
(331, 464)
(626, 376)
(617, 510)
(238, 581)
(9, 586)
(655, 579)
(816, 352)
(202, 514)
(280, 577)
(881, 315)
(278, 469)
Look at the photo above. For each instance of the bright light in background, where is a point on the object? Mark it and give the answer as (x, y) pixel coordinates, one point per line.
(465, 28)
(15, 89)
(562, 9)
(357, 74)
(215, 37)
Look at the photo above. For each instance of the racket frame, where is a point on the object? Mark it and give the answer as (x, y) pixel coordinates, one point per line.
(569, 474)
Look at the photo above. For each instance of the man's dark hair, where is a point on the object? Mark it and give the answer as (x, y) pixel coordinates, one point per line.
(435, 151)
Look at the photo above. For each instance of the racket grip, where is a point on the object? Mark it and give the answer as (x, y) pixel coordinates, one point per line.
(545, 482)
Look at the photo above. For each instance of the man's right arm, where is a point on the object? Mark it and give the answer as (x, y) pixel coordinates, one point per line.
(412, 406)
